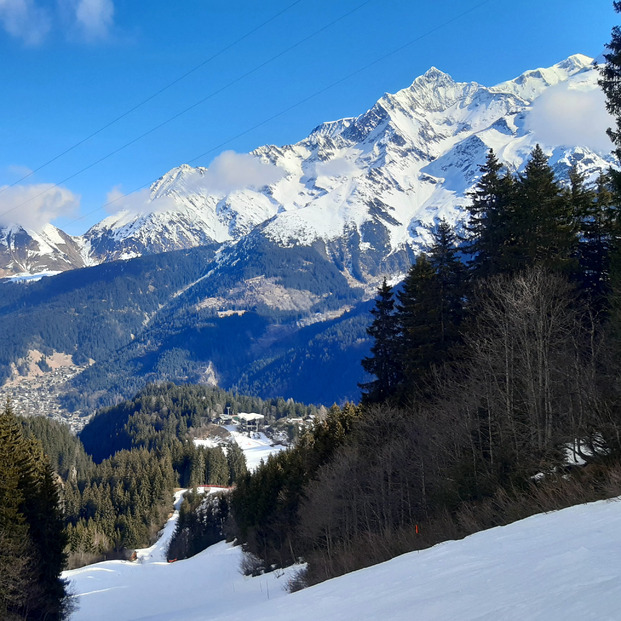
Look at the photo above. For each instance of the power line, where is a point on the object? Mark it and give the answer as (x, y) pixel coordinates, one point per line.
(305, 99)
(191, 107)
(300, 102)
(154, 95)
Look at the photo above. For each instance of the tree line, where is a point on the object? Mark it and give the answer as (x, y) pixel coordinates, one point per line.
(492, 362)
(493, 372)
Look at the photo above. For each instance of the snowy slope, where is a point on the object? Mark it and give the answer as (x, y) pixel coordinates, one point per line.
(123, 590)
(257, 447)
(548, 567)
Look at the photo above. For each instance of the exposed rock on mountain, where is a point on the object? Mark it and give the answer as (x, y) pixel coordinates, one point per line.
(362, 189)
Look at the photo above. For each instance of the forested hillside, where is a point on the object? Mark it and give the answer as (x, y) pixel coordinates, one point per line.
(493, 372)
(160, 415)
(117, 478)
(100, 308)
(158, 318)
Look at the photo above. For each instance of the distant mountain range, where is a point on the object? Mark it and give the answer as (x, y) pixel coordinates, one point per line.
(258, 272)
(363, 188)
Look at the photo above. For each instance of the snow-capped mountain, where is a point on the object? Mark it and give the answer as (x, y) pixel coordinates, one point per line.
(50, 250)
(362, 189)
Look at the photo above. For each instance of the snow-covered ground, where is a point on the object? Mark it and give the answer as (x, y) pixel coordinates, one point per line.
(548, 567)
(256, 446)
(150, 588)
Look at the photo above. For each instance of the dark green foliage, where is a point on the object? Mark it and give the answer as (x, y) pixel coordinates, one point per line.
(201, 523)
(491, 216)
(383, 362)
(160, 416)
(318, 364)
(236, 461)
(121, 503)
(31, 529)
(610, 82)
(597, 214)
(448, 284)
(417, 334)
(419, 320)
(430, 311)
(546, 226)
(265, 504)
(523, 221)
(99, 307)
(64, 451)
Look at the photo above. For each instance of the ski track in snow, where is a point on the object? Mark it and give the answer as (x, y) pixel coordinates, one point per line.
(546, 568)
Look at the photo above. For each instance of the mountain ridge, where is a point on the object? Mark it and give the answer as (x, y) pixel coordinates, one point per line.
(378, 178)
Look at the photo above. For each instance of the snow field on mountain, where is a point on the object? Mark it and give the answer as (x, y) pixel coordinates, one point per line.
(409, 160)
(256, 446)
(549, 567)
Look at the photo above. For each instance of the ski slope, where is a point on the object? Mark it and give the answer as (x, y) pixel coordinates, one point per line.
(151, 588)
(257, 447)
(548, 567)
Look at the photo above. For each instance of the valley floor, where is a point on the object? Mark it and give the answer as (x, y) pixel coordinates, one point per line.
(547, 567)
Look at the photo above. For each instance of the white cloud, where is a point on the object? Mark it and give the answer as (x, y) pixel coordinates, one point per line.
(232, 171)
(18, 172)
(337, 167)
(569, 116)
(25, 20)
(136, 203)
(228, 172)
(31, 20)
(33, 206)
(94, 18)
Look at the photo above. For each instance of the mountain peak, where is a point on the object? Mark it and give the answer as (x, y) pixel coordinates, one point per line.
(575, 61)
(433, 73)
(532, 83)
(374, 180)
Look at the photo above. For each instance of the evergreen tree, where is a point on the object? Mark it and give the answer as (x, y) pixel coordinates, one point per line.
(488, 230)
(32, 524)
(597, 214)
(236, 461)
(419, 323)
(448, 283)
(610, 81)
(383, 362)
(430, 310)
(15, 562)
(545, 226)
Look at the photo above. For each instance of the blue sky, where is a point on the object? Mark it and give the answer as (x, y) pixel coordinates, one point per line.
(265, 72)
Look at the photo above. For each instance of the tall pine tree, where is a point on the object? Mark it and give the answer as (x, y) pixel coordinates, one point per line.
(488, 230)
(597, 215)
(610, 81)
(383, 362)
(448, 286)
(33, 518)
(419, 315)
(545, 226)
